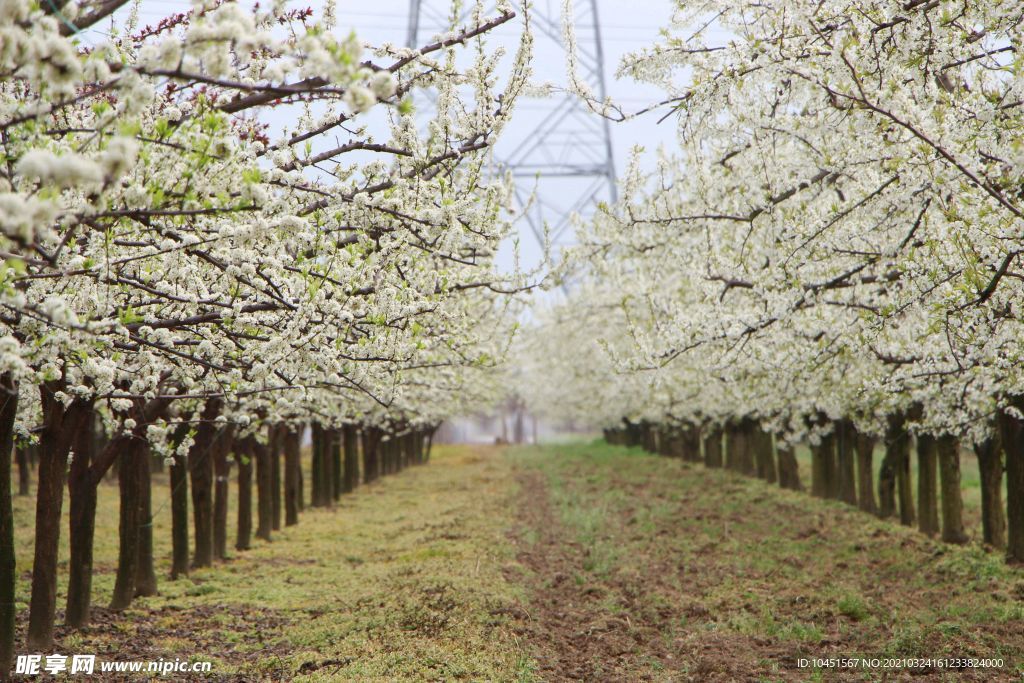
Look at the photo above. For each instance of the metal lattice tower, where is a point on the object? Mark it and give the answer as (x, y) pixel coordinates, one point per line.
(558, 150)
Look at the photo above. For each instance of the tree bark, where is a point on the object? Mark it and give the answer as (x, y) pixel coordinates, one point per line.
(264, 481)
(243, 537)
(81, 525)
(332, 465)
(634, 434)
(24, 471)
(819, 470)
(1013, 449)
(278, 434)
(292, 476)
(200, 461)
(8, 576)
(927, 486)
(897, 450)
(179, 518)
(371, 461)
(748, 464)
(351, 465)
(905, 487)
(650, 438)
(665, 441)
(733, 447)
(130, 519)
(60, 425)
(318, 497)
(990, 466)
(764, 452)
(391, 449)
(948, 451)
(713, 448)
(221, 491)
(384, 454)
(1014, 452)
(789, 470)
(865, 473)
(421, 445)
(846, 467)
(145, 573)
(690, 436)
(831, 463)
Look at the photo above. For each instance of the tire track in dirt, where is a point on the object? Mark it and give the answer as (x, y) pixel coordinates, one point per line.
(567, 624)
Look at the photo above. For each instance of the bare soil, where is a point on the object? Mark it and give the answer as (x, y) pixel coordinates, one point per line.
(731, 579)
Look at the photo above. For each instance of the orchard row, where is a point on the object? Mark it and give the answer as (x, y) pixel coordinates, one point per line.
(219, 229)
(830, 256)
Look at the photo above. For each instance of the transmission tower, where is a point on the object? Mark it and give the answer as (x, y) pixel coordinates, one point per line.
(559, 152)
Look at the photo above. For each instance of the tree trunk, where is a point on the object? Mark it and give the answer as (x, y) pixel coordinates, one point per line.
(292, 476)
(81, 526)
(831, 462)
(221, 491)
(384, 454)
(733, 447)
(179, 518)
(128, 477)
(765, 455)
(403, 451)
(393, 454)
(243, 538)
(713, 448)
(8, 576)
(264, 481)
(748, 465)
(24, 472)
(278, 433)
(351, 465)
(333, 462)
(319, 438)
(865, 473)
(948, 451)
(200, 461)
(905, 487)
(690, 436)
(819, 470)
(846, 467)
(145, 577)
(60, 425)
(1013, 449)
(518, 429)
(300, 489)
(667, 445)
(371, 463)
(927, 486)
(897, 448)
(420, 443)
(632, 434)
(789, 470)
(990, 466)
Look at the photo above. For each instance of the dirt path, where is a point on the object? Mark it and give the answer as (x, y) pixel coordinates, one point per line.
(639, 568)
(567, 620)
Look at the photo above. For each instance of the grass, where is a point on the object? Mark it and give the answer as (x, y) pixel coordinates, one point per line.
(402, 580)
(636, 567)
